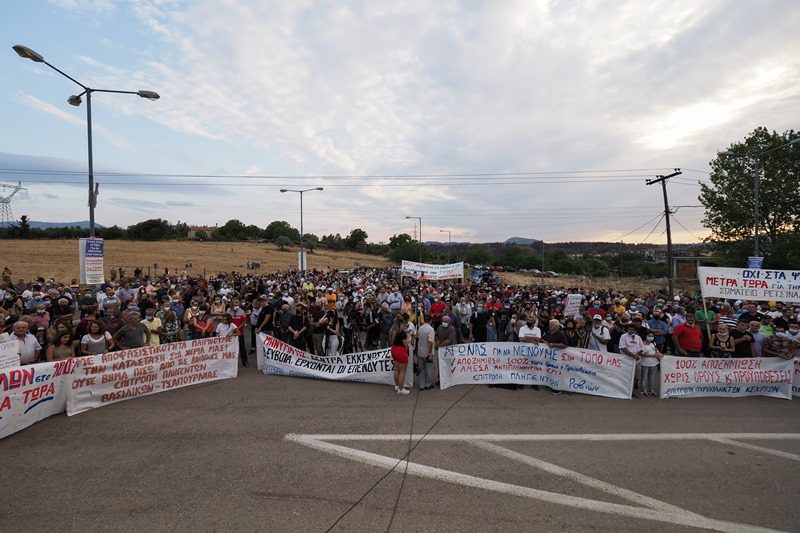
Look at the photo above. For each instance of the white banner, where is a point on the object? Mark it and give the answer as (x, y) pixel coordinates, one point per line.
(683, 377)
(796, 381)
(31, 393)
(571, 369)
(750, 284)
(432, 272)
(116, 376)
(369, 367)
(9, 354)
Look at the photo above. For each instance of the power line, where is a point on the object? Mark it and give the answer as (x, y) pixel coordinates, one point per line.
(654, 228)
(337, 176)
(687, 229)
(643, 225)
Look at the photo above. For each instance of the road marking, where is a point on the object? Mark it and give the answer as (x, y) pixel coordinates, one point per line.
(557, 437)
(668, 514)
(583, 479)
(763, 449)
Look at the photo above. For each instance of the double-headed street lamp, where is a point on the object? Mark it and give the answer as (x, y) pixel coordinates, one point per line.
(449, 241)
(420, 236)
(756, 159)
(302, 235)
(27, 53)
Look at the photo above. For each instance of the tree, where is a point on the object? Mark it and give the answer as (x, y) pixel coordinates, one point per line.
(283, 241)
(357, 239)
(399, 240)
(729, 199)
(23, 227)
(201, 235)
(232, 230)
(280, 227)
(154, 229)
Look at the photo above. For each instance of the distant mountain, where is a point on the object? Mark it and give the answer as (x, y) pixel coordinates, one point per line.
(522, 241)
(36, 224)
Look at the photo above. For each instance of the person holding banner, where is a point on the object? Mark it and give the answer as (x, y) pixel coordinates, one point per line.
(29, 347)
(399, 351)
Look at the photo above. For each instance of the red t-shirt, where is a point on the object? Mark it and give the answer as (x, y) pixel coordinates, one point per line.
(437, 308)
(690, 337)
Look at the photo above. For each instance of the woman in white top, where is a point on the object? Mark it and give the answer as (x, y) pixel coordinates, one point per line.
(98, 340)
(649, 361)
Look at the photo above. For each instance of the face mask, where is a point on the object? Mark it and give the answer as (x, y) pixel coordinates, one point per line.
(445, 324)
(650, 338)
(195, 307)
(235, 307)
(794, 331)
(596, 306)
(722, 335)
(40, 311)
(149, 318)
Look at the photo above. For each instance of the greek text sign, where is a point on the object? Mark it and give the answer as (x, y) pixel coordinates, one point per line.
(116, 376)
(375, 366)
(432, 272)
(691, 376)
(31, 393)
(571, 369)
(750, 284)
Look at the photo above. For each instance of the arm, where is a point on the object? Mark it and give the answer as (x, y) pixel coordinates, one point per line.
(50, 353)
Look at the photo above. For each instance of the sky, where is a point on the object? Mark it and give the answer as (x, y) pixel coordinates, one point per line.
(538, 119)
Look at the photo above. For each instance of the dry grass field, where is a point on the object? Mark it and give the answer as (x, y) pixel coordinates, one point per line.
(59, 258)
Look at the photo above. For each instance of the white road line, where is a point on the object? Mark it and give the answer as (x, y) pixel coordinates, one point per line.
(558, 437)
(583, 479)
(763, 449)
(416, 469)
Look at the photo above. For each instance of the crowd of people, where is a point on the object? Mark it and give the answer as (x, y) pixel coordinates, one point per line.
(333, 312)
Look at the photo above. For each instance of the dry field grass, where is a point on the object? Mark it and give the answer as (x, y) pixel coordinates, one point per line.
(59, 258)
(634, 285)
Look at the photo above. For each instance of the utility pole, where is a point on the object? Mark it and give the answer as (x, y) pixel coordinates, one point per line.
(663, 181)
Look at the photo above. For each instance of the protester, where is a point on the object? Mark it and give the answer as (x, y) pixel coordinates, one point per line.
(399, 352)
(97, 340)
(29, 347)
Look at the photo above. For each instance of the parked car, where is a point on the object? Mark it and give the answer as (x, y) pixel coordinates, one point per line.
(550, 274)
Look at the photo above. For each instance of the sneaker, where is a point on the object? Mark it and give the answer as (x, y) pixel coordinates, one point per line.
(403, 391)
(396, 388)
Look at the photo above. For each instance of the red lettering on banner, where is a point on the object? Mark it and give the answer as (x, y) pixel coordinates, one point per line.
(16, 378)
(5, 404)
(31, 395)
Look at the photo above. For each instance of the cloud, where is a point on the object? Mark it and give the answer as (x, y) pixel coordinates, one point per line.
(50, 109)
(451, 87)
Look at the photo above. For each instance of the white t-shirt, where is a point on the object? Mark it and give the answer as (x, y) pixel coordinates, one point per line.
(525, 331)
(649, 357)
(224, 329)
(426, 335)
(595, 344)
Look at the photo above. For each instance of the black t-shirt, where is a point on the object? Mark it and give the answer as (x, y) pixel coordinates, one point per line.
(750, 317)
(742, 349)
(558, 337)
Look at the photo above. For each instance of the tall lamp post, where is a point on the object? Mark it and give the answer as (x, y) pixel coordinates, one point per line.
(420, 236)
(302, 235)
(756, 172)
(449, 242)
(26, 53)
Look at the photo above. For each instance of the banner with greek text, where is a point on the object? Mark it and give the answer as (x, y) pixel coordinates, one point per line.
(432, 272)
(571, 369)
(750, 284)
(116, 376)
(683, 377)
(796, 381)
(31, 393)
(375, 366)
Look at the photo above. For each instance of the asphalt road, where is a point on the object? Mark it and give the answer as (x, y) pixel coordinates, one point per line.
(216, 457)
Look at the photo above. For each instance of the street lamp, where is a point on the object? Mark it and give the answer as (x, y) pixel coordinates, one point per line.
(420, 236)
(26, 53)
(756, 159)
(302, 235)
(449, 250)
